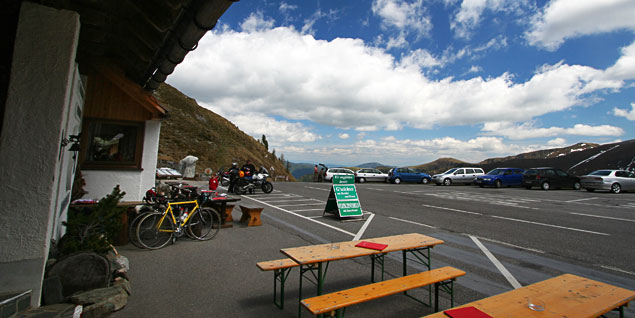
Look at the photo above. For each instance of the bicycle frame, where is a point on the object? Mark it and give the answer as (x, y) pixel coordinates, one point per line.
(169, 211)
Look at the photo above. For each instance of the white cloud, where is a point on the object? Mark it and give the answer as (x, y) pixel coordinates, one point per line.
(565, 19)
(256, 22)
(283, 73)
(285, 7)
(343, 136)
(630, 115)
(278, 132)
(470, 13)
(528, 131)
(414, 151)
(317, 15)
(556, 143)
(406, 18)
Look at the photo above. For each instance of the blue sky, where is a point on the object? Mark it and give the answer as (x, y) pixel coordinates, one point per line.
(404, 82)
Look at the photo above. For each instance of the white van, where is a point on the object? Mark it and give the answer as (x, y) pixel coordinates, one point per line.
(463, 175)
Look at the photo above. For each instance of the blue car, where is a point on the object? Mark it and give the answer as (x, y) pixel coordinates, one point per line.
(500, 177)
(405, 174)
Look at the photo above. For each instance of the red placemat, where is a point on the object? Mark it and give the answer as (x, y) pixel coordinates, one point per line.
(371, 245)
(466, 312)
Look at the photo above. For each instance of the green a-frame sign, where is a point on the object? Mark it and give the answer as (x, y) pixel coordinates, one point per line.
(343, 198)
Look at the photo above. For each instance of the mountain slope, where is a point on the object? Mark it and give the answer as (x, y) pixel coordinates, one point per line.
(190, 129)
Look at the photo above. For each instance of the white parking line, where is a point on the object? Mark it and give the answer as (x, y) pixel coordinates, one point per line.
(550, 225)
(314, 188)
(308, 210)
(363, 229)
(294, 200)
(454, 210)
(412, 222)
(302, 216)
(510, 278)
(617, 269)
(578, 200)
(508, 244)
(603, 217)
(298, 204)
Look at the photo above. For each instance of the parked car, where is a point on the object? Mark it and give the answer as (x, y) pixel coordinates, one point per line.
(336, 171)
(398, 175)
(615, 181)
(549, 177)
(463, 175)
(501, 177)
(370, 174)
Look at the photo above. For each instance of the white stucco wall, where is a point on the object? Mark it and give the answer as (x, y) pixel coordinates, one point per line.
(39, 92)
(100, 183)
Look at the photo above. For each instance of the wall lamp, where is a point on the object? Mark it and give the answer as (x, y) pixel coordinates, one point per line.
(74, 139)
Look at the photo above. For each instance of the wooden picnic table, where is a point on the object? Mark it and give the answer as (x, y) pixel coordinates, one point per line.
(564, 296)
(315, 258)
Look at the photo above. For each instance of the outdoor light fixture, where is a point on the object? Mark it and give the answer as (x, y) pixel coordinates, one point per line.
(74, 139)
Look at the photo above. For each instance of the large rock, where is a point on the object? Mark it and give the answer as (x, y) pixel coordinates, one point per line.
(81, 271)
(101, 301)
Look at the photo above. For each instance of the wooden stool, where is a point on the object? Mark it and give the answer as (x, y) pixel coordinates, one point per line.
(251, 215)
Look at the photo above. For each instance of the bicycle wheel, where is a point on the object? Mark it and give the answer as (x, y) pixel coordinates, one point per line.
(204, 224)
(151, 235)
(132, 228)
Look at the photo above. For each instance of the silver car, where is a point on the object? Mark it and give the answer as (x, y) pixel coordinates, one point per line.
(464, 175)
(370, 174)
(615, 181)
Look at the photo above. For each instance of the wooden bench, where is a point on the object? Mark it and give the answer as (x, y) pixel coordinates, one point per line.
(281, 269)
(334, 302)
(251, 215)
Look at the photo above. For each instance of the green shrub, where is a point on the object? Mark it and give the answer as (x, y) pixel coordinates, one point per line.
(93, 228)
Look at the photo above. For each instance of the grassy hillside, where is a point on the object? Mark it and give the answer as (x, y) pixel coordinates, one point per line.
(190, 129)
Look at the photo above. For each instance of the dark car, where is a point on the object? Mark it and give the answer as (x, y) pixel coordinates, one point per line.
(405, 174)
(548, 177)
(500, 177)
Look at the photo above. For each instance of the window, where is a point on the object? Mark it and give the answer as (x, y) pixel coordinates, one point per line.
(115, 145)
(460, 171)
(561, 173)
(469, 171)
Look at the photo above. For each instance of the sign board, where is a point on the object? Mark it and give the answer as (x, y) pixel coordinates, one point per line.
(343, 198)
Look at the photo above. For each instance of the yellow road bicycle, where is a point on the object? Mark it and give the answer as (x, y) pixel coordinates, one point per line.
(156, 229)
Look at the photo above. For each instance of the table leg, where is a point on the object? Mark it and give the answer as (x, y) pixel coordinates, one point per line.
(422, 255)
(319, 279)
(380, 259)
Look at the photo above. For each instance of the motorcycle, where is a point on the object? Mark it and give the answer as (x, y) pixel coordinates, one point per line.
(244, 184)
(261, 180)
(223, 177)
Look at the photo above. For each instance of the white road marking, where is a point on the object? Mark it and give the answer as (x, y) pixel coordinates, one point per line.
(578, 200)
(549, 225)
(510, 278)
(412, 222)
(375, 189)
(302, 216)
(363, 229)
(298, 204)
(454, 210)
(308, 210)
(314, 188)
(508, 244)
(603, 217)
(617, 269)
(294, 200)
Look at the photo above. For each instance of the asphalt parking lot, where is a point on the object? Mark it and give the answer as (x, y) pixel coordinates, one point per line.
(503, 238)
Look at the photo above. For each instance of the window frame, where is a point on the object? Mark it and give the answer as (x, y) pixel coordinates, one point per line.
(89, 125)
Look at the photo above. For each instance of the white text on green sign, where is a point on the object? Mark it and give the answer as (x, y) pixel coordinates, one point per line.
(344, 179)
(345, 192)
